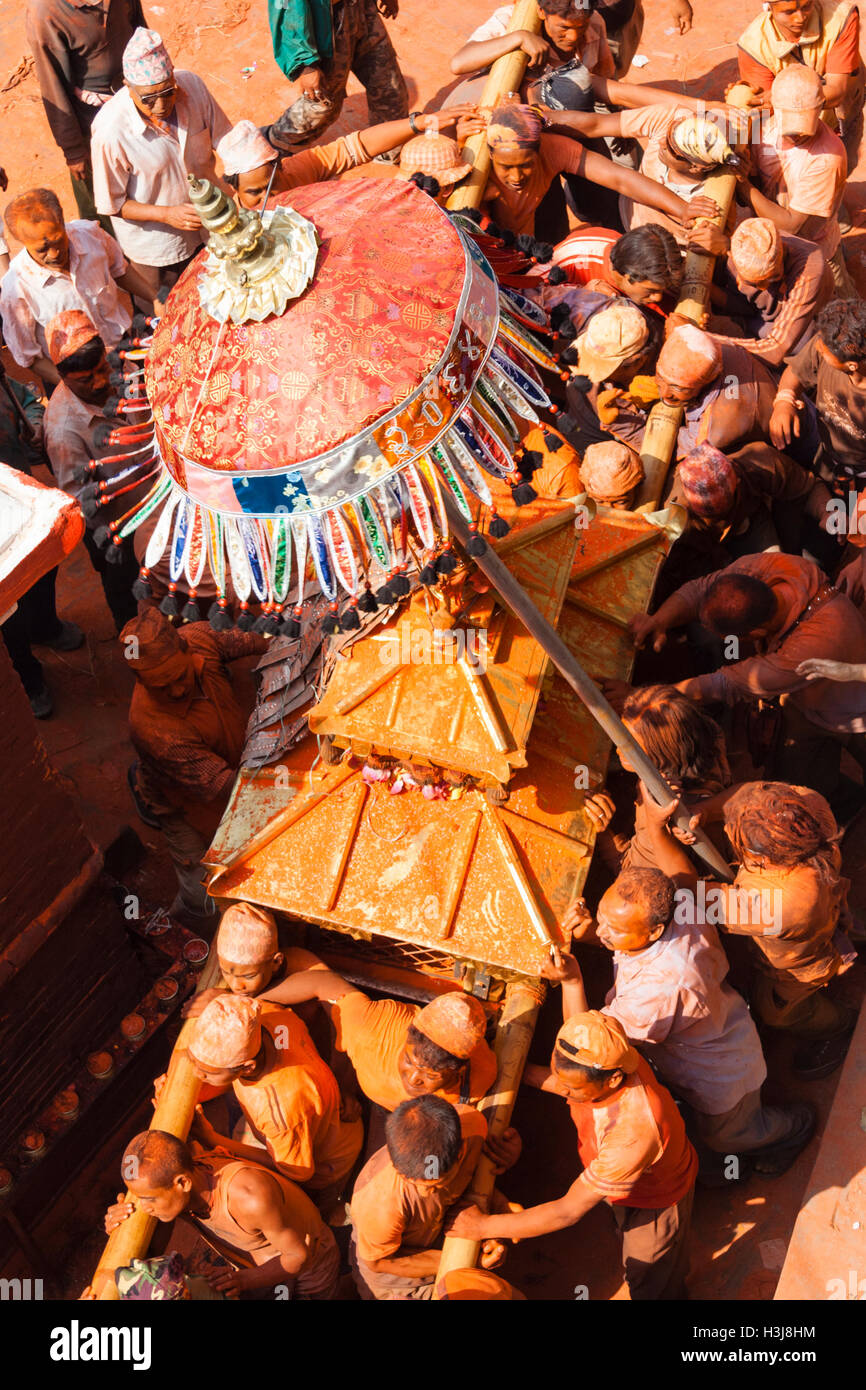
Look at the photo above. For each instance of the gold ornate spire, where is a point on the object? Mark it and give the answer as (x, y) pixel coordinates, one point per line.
(252, 269)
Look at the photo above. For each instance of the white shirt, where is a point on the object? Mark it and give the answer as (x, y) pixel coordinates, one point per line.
(132, 159)
(31, 294)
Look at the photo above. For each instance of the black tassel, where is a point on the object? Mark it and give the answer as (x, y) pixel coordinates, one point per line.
(559, 314)
(523, 493)
(191, 613)
(556, 275)
(530, 460)
(473, 215)
(367, 603)
(89, 504)
(568, 332)
(400, 586)
(330, 624)
(494, 229)
(261, 624)
(508, 237)
(245, 620)
(272, 625)
(218, 618)
(114, 555)
(169, 606)
(498, 527)
(542, 252)
(384, 596)
(552, 440)
(476, 545)
(141, 589)
(566, 422)
(115, 360)
(102, 537)
(447, 562)
(526, 243)
(429, 573)
(291, 628)
(82, 476)
(350, 619)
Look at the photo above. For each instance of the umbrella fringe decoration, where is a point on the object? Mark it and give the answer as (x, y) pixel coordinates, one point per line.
(397, 522)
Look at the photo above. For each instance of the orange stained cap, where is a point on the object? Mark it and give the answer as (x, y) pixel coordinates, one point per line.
(455, 1022)
(228, 1032)
(689, 357)
(247, 935)
(797, 88)
(66, 333)
(595, 1040)
(476, 1284)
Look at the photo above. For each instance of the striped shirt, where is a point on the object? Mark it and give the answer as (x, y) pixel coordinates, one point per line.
(780, 319)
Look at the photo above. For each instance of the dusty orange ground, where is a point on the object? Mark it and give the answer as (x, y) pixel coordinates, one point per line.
(740, 1235)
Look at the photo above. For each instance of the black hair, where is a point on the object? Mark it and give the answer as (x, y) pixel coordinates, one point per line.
(233, 180)
(430, 1054)
(423, 1137)
(35, 203)
(736, 604)
(842, 325)
(649, 253)
(562, 1062)
(85, 359)
(156, 1155)
(651, 889)
(563, 8)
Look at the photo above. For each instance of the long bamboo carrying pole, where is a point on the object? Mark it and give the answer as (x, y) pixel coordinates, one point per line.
(663, 425)
(505, 76)
(515, 597)
(174, 1115)
(513, 1037)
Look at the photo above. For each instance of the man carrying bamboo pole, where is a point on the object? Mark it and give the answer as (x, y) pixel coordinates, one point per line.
(257, 1215)
(636, 1157)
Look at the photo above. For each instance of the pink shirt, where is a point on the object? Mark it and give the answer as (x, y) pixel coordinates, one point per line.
(807, 179)
(650, 124)
(695, 1029)
(132, 159)
(31, 294)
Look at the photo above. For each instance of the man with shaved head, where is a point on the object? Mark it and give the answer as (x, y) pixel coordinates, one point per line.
(260, 1220)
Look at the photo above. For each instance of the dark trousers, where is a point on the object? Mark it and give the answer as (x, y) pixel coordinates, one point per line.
(362, 46)
(655, 1251)
(34, 620)
(117, 580)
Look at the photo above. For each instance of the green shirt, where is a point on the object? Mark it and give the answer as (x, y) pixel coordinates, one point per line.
(302, 32)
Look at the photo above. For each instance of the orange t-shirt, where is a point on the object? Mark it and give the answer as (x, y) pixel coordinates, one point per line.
(633, 1146)
(390, 1212)
(373, 1034)
(294, 1108)
(557, 154)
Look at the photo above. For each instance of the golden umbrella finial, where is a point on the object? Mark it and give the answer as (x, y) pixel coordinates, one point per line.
(252, 271)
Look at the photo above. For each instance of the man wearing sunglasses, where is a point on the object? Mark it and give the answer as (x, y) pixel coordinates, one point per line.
(161, 127)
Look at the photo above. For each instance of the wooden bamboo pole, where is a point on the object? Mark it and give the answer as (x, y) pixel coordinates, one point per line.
(505, 76)
(515, 597)
(513, 1037)
(663, 425)
(173, 1114)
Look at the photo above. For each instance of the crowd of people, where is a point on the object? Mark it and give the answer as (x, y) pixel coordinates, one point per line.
(753, 705)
